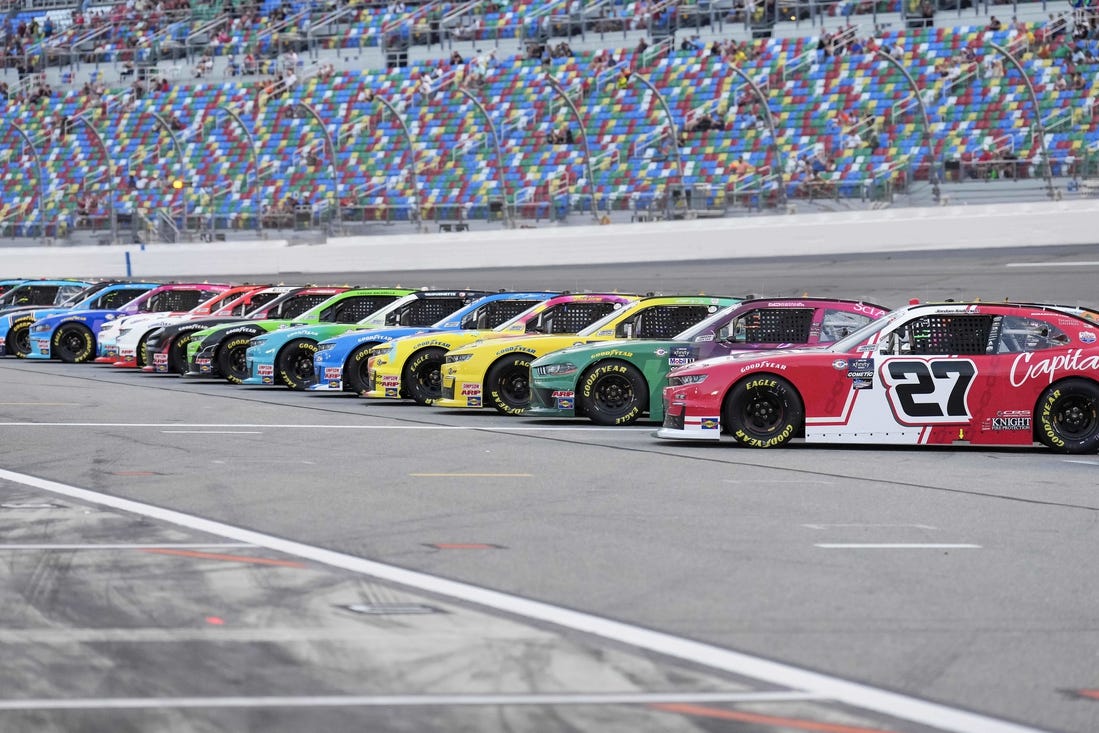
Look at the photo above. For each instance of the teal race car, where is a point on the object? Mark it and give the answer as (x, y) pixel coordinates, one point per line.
(620, 382)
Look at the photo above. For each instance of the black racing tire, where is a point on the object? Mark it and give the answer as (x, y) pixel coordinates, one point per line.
(355, 374)
(508, 384)
(232, 359)
(294, 364)
(141, 354)
(1068, 416)
(177, 354)
(73, 343)
(18, 342)
(423, 375)
(763, 411)
(613, 392)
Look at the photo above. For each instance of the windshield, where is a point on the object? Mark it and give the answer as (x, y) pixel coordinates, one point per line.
(848, 343)
(708, 325)
(611, 317)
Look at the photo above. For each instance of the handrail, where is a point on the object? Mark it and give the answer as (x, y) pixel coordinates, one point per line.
(657, 50)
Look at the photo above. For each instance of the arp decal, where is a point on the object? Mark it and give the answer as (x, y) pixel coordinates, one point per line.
(929, 392)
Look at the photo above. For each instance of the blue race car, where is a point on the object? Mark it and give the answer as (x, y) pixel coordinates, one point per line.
(340, 362)
(102, 296)
(30, 296)
(285, 356)
(71, 335)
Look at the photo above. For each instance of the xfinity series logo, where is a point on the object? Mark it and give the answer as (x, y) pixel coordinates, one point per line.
(860, 368)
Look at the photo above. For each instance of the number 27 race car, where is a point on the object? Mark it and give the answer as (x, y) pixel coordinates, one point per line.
(934, 374)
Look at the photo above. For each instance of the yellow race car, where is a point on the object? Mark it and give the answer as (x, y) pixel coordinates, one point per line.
(409, 367)
(496, 372)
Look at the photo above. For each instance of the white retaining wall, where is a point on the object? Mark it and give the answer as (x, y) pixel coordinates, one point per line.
(890, 230)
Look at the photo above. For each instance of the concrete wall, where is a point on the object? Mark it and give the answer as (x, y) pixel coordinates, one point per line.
(927, 229)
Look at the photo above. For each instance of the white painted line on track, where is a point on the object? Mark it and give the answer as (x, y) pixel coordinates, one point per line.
(518, 428)
(777, 481)
(857, 524)
(1083, 463)
(821, 685)
(1085, 263)
(893, 546)
(400, 700)
(212, 432)
(266, 461)
(119, 546)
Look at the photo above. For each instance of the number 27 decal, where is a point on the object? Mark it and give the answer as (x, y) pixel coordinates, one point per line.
(923, 392)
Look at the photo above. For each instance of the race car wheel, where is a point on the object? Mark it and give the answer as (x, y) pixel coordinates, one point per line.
(142, 353)
(232, 359)
(423, 375)
(73, 344)
(177, 354)
(508, 384)
(356, 373)
(613, 393)
(295, 364)
(18, 342)
(763, 411)
(1068, 416)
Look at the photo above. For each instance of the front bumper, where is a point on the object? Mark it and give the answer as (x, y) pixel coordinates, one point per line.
(679, 424)
(553, 397)
(460, 390)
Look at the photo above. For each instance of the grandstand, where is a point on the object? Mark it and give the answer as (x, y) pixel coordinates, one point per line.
(186, 121)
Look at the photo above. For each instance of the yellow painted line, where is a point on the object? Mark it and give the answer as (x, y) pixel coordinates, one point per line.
(472, 475)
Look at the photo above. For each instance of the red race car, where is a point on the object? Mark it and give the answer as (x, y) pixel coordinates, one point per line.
(1003, 374)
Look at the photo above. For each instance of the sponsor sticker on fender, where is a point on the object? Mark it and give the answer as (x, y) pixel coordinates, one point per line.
(332, 373)
(265, 370)
(473, 401)
(390, 381)
(860, 368)
(709, 423)
(564, 399)
(471, 390)
(680, 356)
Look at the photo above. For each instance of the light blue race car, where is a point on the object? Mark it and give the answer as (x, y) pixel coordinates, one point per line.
(340, 363)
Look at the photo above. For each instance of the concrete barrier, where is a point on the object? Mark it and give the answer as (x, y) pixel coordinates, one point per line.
(889, 230)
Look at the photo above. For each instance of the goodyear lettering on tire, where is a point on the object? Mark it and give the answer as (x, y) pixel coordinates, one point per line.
(1047, 419)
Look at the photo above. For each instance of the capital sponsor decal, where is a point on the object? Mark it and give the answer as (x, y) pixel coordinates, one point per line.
(860, 368)
(1026, 367)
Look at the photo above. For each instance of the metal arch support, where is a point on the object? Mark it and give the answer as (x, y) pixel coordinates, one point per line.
(163, 124)
(41, 176)
(671, 122)
(556, 86)
(110, 172)
(256, 204)
(312, 112)
(936, 164)
(1038, 126)
(412, 151)
(499, 152)
(770, 127)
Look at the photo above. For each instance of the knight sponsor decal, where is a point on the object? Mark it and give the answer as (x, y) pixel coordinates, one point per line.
(762, 365)
(860, 368)
(1026, 367)
(1006, 423)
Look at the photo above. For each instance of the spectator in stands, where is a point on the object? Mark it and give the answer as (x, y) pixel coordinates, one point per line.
(250, 66)
(175, 123)
(994, 24)
(232, 65)
(456, 59)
